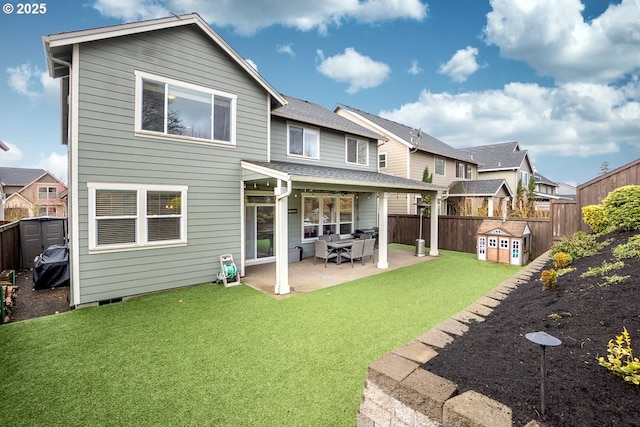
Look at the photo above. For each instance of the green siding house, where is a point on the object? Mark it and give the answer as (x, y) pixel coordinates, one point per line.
(180, 152)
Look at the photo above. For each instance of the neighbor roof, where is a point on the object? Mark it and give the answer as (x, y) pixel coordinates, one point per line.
(308, 112)
(503, 156)
(298, 172)
(58, 47)
(19, 176)
(413, 138)
(479, 188)
(543, 180)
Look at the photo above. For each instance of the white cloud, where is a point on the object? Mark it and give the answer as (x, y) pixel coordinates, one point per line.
(553, 37)
(359, 71)
(576, 119)
(249, 16)
(14, 153)
(55, 163)
(285, 48)
(461, 65)
(415, 69)
(33, 83)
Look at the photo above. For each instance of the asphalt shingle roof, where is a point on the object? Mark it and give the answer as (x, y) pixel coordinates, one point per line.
(478, 187)
(19, 176)
(505, 155)
(340, 176)
(424, 142)
(308, 112)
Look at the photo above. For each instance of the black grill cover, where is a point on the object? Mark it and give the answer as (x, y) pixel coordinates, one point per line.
(51, 268)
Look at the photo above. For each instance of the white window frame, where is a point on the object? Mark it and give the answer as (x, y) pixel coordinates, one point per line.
(141, 75)
(305, 130)
(524, 178)
(358, 141)
(382, 160)
(48, 187)
(141, 240)
(320, 224)
(435, 166)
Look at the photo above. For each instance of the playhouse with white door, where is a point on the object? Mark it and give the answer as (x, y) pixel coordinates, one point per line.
(503, 241)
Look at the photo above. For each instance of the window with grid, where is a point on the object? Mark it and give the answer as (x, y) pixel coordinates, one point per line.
(357, 151)
(123, 216)
(382, 160)
(169, 107)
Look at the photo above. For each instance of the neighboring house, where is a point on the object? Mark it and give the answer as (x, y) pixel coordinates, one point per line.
(407, 151)
(503, 161)
(180, 152)
(546, 191)
(31, 193)
(566, 191)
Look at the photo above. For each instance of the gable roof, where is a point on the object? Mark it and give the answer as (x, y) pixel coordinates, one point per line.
(19, 176)
(479, 188)
(412, 138)
(299, 172)
(511, 228)
(308, 112)
(543, 180)
(502, 156)
(58, 47)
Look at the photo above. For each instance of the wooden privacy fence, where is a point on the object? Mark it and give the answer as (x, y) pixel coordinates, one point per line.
(458, 233)
(10, 246)
(565, 218)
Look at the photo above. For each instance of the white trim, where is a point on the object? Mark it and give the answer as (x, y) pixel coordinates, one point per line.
(444, 166)
(142, 75)
(141, 216)
(386, 160)
(74, 77)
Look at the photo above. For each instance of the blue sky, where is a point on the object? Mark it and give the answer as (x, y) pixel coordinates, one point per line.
(560, 76)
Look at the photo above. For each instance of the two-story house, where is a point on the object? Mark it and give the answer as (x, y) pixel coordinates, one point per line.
(407, 151)
(180, 152)
(30, 193)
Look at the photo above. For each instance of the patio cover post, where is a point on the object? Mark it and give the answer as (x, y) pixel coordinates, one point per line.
(383, 208)
(281, 232)
(433, 246)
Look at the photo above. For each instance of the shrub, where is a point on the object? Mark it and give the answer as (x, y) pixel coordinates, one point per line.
(561, 260)
(622, 207)
(578, 245)
(605, 268)
(620, 360)
(549, 279)
(631, 249)
(595, 217)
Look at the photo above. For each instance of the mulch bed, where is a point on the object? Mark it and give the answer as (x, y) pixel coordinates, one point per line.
(30, 304)
(494, 357)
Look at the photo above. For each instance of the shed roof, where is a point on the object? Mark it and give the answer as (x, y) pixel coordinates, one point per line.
(510, 228)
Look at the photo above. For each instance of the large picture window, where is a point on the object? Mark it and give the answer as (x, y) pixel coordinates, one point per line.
(125, 216)
(357, 151)
(303, 142)
(326, 214)
(169, 107)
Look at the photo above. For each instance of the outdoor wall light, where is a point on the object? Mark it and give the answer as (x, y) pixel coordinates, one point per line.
(544, 340)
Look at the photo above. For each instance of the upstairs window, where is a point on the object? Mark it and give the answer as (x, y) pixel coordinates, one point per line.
(439, 166)
(382, 160)
(303, 142)
(463, 170)
(172, 108)
(357, 151)
(47, 193)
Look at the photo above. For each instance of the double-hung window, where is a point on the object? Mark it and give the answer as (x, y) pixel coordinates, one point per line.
(439, 166)
(123, 216)
(382, 160)
(47, 192)
(303, 142)
(167, 107)
(357, 151)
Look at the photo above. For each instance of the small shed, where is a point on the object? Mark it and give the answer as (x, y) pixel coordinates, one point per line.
(503, 241)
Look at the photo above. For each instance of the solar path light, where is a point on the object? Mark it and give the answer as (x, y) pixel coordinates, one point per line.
(544, 340)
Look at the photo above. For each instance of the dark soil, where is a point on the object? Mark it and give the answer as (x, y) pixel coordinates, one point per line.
(494, 357)
(30, 303)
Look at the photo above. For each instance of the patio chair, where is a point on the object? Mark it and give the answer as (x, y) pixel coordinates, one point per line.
(355, 252)
(325, 237)
(323, 252)
(369, 248)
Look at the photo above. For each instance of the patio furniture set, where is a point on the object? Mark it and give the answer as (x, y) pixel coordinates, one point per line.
(332, 247)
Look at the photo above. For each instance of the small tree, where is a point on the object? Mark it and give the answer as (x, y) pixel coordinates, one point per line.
(426, 197)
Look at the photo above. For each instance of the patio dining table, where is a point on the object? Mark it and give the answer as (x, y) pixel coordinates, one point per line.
(339, 246)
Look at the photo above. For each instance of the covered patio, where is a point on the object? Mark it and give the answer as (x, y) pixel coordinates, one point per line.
(305, 277)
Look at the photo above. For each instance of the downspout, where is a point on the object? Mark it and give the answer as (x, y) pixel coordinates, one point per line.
(282, 254)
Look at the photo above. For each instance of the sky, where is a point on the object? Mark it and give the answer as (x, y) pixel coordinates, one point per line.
(559, 76)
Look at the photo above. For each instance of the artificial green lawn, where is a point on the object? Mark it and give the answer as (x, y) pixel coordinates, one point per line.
(206, 355)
